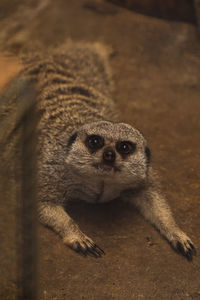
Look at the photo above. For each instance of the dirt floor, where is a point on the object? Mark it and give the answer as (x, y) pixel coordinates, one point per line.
(156, 70)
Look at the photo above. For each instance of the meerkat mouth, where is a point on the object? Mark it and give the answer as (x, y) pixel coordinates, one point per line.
(106, 167)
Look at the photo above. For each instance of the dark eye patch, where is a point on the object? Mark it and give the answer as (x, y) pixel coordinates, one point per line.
(125, 148)
(72, 139)
(94, 142)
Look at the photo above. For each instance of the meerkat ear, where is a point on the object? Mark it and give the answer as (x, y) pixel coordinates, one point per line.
(72, 139)
(148, 154)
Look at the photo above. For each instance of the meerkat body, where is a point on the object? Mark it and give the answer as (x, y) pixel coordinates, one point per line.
(84, 153)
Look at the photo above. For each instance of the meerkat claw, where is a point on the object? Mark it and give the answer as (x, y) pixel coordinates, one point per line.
(187, 250)
(98, 249)
(95, 250)
(87, 248)
(192, 247)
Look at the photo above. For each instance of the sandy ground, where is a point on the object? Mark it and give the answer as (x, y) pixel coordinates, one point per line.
(9, 67)
(156, 69)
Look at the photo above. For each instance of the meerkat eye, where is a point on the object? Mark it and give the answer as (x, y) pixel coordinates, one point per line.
(94, 142)
(125, 147)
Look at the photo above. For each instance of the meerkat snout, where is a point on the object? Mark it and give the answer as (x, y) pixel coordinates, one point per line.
(109, 156)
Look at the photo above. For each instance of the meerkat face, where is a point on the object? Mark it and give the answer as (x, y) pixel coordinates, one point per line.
(106, 149)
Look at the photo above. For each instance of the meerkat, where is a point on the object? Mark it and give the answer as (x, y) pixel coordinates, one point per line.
(84, 152)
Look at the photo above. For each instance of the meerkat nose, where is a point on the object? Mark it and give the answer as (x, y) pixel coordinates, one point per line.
(109, 155)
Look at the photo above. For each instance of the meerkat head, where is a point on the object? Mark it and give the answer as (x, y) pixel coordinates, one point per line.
(106, 149)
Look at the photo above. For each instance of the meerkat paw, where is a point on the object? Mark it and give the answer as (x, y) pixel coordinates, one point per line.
(83, 245)
(182, 244)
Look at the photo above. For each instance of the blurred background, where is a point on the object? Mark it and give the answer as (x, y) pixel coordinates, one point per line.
(156, 70)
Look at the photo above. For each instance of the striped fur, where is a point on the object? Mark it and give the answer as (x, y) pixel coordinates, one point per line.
(74, 80)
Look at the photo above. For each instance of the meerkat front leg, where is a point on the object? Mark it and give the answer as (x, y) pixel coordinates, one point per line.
(55, 217)
(154, 208)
